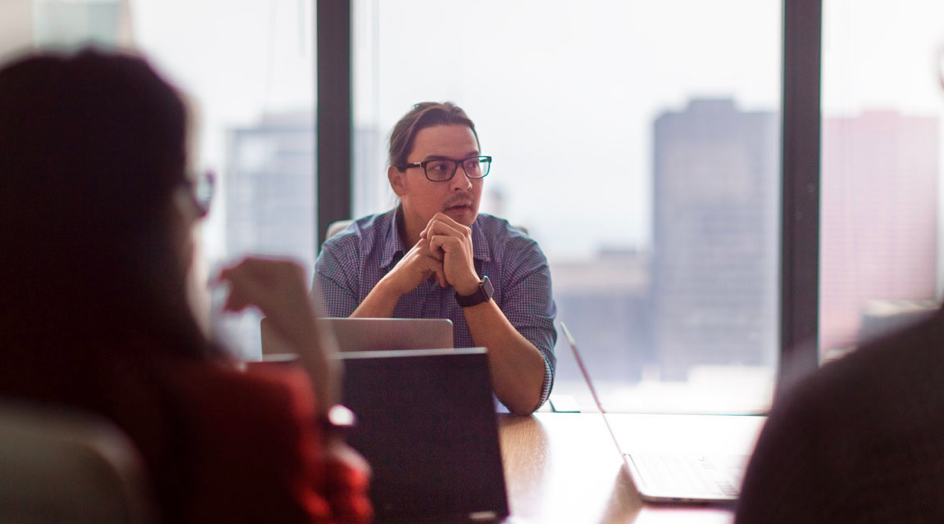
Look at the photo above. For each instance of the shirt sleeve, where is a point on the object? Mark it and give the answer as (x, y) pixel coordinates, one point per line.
(335, 277)
(347, 488)
(527, 302)
(332, 489)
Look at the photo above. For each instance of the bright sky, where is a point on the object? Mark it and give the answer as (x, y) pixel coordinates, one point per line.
(563, 93)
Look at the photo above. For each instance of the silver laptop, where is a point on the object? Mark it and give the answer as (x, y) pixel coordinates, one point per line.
(371, 334)
(673, 477)
(427, 426)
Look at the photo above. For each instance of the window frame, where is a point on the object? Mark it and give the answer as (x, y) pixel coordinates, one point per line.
(799, 167)
(800, 180)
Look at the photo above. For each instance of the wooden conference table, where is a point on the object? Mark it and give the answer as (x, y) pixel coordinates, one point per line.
(565, 467)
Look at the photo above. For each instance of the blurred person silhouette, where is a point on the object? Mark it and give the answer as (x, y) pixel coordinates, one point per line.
(859, 440)
(435, 256)
(97, 209)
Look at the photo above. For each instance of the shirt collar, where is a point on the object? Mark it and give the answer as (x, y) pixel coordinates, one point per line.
(480, 249)
(394, 248)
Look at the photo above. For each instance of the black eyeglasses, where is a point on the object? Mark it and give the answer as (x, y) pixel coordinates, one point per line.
(443, 169)
(200, 189)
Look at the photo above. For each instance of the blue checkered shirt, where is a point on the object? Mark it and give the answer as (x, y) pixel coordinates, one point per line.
(352, 262)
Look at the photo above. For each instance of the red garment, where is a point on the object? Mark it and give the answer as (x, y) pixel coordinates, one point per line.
(220, 445)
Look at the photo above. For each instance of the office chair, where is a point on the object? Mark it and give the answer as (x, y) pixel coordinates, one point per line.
(59, 465)
(336, 227)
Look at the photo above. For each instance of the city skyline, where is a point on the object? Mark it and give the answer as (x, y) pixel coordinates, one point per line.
(565, 106)
(730, 200)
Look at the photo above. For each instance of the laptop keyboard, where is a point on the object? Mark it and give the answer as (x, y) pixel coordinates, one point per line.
(693, 474)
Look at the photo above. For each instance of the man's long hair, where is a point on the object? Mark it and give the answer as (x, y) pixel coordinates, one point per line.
(423, 115)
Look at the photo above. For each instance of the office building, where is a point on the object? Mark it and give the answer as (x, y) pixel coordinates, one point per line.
(58, 23)
(269, 188)
(370, 188)
(879, 217)
(268, 200)
(715, 238)
(604, 302)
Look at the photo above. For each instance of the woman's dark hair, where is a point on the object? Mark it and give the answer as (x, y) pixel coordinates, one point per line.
(423, 115)
(92, 151)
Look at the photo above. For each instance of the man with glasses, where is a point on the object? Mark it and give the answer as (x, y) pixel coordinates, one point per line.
(436, 256)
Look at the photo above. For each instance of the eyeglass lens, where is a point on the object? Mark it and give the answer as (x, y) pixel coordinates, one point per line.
(203, 192)
(442, 170)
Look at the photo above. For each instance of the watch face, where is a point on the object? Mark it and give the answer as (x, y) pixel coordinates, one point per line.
(487, 288)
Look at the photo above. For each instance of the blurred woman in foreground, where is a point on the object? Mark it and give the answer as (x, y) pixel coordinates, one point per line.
(97, 209)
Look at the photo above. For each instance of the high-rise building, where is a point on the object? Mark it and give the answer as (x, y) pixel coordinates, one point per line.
(715, 239)
(879, 218)
(370, 188)
(63, 24)
(268, 203)
(604, 302)
(269, 188)
(58, 23)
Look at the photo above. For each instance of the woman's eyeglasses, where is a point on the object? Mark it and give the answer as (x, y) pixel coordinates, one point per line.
(200, 190)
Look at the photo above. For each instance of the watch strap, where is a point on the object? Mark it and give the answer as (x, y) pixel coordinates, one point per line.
(482, 294)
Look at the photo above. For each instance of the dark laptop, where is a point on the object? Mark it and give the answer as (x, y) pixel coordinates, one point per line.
(427, 425)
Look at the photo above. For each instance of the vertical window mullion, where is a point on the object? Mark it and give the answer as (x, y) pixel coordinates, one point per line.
(799, 294)
(333, 114)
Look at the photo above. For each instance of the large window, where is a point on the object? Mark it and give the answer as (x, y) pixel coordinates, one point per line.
(639, 143)
(881, 168)
(248, 69)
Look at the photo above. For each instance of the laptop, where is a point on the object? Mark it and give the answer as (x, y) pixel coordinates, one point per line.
(370, 334)
(666, 477)
(427, 426)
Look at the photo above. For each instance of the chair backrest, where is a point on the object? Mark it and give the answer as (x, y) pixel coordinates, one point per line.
(336, 227)
(60, 465)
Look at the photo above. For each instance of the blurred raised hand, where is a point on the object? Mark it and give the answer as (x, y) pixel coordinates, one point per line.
(278, 288)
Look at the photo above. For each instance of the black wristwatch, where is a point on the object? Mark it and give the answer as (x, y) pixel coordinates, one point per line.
(483, 294)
